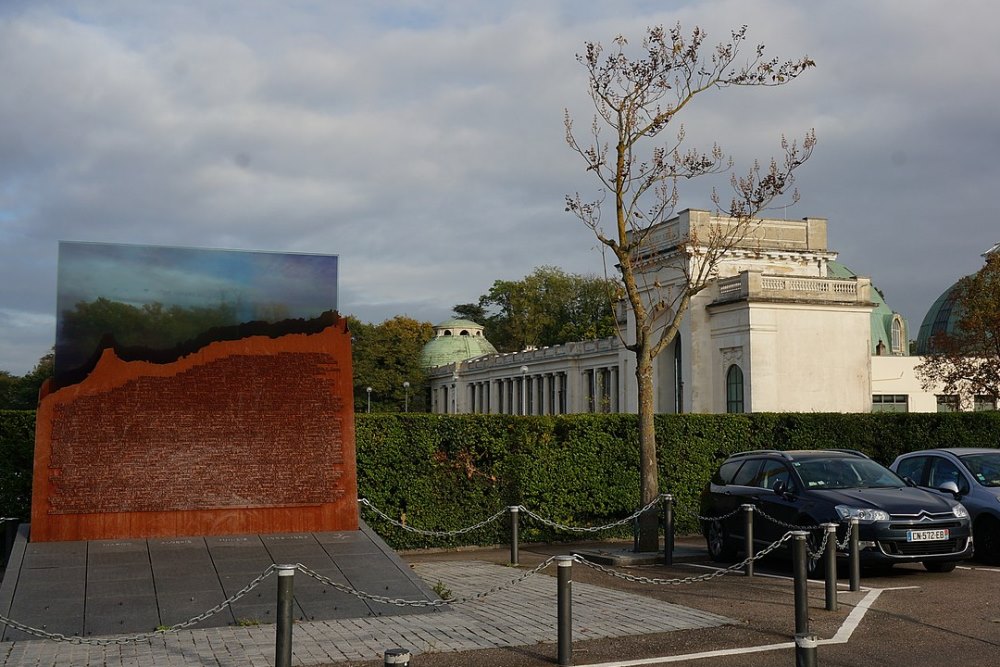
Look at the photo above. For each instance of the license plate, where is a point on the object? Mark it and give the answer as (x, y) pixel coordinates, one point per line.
(926, 535)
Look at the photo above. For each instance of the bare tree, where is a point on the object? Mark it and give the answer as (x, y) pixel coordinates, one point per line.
(636, 98)
(965, 362)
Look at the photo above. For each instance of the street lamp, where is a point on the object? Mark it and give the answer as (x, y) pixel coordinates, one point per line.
(369, 390)
(406, 404)
(524, 390)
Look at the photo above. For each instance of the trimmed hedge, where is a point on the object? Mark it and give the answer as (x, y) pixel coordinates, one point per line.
(17, 451)
(448, 472)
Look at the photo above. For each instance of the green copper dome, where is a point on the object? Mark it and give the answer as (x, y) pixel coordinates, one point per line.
(940, 319)
(455, 340)
(882, 316)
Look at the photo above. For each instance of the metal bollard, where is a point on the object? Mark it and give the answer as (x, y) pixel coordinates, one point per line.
(855, 556)
(565, 609)
(398, 657)
(830, 558)
(668, 529)
(748, 537)
(805, 643)
(283, 632)
(514, 521)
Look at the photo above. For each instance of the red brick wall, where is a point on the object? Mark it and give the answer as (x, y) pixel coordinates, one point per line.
(255, 435)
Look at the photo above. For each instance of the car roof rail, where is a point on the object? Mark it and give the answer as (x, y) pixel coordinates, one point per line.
(856, 452)
(752, 452)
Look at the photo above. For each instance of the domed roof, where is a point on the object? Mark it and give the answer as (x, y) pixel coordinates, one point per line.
(882, 315)
(942, 317)
(455, 340)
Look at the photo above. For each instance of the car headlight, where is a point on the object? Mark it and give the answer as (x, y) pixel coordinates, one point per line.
(959, 511)
(865, 514)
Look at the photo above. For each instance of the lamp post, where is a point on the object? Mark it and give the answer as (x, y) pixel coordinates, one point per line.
(406, 400)
(524, 390)
(369, 390)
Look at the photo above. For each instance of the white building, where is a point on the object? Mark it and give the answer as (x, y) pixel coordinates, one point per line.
(781, 327)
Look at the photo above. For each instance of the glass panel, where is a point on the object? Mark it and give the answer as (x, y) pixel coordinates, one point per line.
(734, 389)
(156, 298)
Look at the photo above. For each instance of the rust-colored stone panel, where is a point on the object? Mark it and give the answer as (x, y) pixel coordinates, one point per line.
(247, 436)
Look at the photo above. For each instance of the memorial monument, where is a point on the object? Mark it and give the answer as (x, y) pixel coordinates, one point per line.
(197, 392)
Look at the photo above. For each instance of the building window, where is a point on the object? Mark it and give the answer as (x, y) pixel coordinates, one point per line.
(984, 403)
(947, 403)
(897, 335)
(734, 389)
(890, 403)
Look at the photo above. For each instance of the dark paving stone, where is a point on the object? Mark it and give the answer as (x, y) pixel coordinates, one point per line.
(119, 572)
(115, 558)
(200, 582)
(116, 546)
(120, 588)
(174, 543)
(182, 607)
(124, 614)
(51, 582)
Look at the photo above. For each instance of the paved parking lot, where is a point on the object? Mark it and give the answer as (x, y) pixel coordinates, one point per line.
(905, 616)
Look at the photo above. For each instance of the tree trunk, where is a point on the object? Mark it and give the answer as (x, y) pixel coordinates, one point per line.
(648, 534)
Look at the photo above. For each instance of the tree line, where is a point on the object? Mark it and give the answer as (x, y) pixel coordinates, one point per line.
(547, 307)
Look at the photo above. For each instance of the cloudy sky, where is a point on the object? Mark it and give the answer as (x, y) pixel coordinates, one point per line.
(422, 141)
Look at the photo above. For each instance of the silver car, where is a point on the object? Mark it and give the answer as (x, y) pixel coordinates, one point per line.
(969, 475)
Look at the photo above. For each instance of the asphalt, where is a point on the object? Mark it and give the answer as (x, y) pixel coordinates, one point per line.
(70, 589)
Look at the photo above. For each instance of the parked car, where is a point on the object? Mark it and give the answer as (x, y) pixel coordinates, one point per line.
(969, 475)
(898, 522)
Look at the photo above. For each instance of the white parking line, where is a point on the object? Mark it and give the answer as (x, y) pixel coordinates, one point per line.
(842, 635)
(979, 569)
(814, 582)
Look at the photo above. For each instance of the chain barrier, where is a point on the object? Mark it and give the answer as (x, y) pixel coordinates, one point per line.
(715, 518)
(132, 639)
(497, 515)
(590, 529)
(399, 602)
(686, 580)
(432, 533)
(784, 524)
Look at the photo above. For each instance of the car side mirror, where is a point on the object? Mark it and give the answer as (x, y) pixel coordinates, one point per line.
(780, 487)
(950, 487)
(909, 481)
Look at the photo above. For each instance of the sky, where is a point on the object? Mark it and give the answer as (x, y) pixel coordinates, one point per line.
(422, 142)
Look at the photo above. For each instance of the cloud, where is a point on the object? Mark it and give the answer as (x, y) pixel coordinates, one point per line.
(424, 144)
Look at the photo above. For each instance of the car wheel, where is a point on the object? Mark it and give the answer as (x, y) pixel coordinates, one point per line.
(987, 540)
(940, 566)
(719, 546)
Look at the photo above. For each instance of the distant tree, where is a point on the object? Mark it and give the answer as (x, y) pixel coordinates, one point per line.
(637, 94)
(473, 312)
(966, 362)
(549, 307)
(384, 357)
(21, 393)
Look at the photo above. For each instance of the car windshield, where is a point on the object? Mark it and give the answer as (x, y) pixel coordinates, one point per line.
(846, 473)
(984, 467)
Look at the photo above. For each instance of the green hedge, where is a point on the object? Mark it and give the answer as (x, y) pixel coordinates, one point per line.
(447, 472)
(17, 448)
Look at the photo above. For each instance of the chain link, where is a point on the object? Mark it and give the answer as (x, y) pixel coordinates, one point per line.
(132, 639)
(399, 602)
(783, 524)
(590, 529)
(717, 518)
(432, 533)
(687, 580)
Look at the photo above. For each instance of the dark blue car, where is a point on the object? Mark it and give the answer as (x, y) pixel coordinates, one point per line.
(898, 522)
